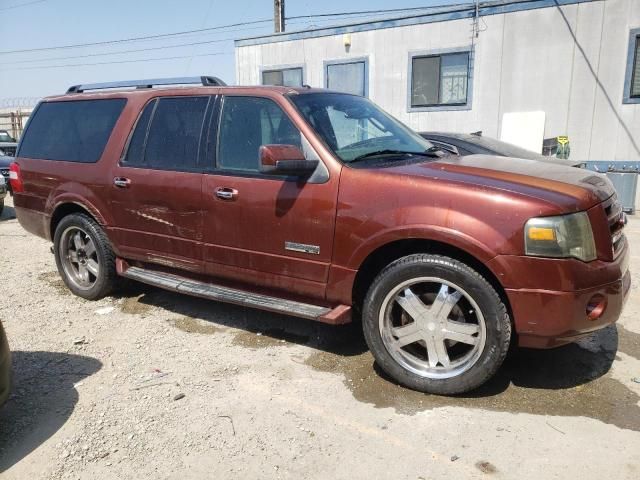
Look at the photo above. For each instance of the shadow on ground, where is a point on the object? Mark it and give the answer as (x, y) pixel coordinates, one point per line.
(567, 381)
(43, 398)
(196, 315)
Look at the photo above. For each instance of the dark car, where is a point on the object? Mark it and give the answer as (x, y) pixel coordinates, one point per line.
(475, 144)
(5, 161)
(5, 137)
(8, 144)
(3, 192)
(318, 204)
(5, 366)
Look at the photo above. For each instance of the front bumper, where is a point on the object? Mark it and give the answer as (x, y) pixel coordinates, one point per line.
(549, 298)
(5, 367)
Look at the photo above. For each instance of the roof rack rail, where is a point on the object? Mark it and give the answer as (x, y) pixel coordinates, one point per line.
(207, 81)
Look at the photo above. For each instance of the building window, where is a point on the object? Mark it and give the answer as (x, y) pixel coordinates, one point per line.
(284, 77)
(632, 78)
(440, 80)
(348, 76)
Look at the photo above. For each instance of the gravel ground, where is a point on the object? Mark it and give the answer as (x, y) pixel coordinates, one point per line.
(153, 385)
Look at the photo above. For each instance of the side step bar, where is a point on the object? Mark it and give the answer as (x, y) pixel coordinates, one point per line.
(338, 315)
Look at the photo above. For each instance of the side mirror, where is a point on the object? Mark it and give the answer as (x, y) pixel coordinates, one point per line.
(285, 160)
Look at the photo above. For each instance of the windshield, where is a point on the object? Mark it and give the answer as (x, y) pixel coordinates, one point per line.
(354, 127)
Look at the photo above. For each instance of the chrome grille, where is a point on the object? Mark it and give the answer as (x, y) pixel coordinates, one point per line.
(616, 219)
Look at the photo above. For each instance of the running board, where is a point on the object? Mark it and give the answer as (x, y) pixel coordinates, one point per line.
(338, 315)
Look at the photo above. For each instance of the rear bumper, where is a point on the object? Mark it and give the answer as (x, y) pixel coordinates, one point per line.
(549, 299)
(34, 222)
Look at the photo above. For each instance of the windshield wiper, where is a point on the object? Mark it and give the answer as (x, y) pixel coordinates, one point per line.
(389, 151)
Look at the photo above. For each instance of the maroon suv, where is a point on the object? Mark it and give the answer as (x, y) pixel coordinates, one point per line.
(320, 205)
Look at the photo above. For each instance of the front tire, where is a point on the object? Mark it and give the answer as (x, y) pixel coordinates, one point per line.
(435, 325)
(84, 257)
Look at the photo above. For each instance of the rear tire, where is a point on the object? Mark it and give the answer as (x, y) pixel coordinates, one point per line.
(435, 325)
(84, 257)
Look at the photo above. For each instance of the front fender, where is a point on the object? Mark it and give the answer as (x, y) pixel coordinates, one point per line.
(440, 234)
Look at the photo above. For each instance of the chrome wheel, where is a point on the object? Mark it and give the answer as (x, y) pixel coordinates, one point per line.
(432, 327)
(79, 258)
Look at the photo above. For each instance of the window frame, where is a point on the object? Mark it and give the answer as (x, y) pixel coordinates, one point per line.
(632, 60)
(346, 61)
(280, 68)
(441, 106)
(227, 172)
(42, 102)
(201, 156)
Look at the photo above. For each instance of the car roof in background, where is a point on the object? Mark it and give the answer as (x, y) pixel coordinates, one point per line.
(488, 143)
(498, 146)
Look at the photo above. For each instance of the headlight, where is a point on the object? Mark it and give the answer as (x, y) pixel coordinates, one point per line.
(560, 237)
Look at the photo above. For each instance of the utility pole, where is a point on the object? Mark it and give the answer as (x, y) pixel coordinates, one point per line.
(278, 15)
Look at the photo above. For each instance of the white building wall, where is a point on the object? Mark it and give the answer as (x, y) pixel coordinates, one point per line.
(569, 63)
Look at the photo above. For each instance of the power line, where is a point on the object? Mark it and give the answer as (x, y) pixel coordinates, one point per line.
(133, 39)
(25, 4)
(122, 52)
(180, 57)
(137, 50)
(220, 27)
(364, 12)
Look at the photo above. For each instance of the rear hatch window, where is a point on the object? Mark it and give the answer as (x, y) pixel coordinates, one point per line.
(71, 131)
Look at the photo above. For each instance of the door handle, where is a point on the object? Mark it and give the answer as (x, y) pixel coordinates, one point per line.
(225, 193)
(121, 182)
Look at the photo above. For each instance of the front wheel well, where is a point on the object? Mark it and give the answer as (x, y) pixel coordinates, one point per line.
(384, 255)
(62, 211)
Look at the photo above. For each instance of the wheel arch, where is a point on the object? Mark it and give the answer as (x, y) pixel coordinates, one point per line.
(64, 209)
(383, 255)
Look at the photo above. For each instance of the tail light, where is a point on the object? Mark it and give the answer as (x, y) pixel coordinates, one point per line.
(15, 177)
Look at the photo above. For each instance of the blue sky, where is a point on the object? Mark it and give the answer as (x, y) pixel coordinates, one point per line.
(33, 24)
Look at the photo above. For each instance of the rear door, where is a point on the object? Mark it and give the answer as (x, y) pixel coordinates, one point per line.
(156, 195)
(268, 231)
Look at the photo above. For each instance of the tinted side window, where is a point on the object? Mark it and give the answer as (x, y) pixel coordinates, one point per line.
(247, 123)
(72, 131)
(174, 135)
(135, 152)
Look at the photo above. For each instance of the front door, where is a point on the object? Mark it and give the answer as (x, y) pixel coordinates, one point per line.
(156, 194)
(269, 231)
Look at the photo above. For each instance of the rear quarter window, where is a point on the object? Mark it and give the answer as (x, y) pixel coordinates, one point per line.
(71, 131)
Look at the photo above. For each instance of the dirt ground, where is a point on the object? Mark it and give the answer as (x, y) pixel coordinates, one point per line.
(154, 385)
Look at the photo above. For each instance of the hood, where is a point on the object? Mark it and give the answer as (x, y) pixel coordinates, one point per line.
(569, 187)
